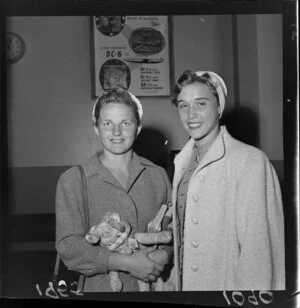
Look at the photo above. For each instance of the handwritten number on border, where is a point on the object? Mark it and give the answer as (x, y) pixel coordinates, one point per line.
(60, 291)
(238, 298)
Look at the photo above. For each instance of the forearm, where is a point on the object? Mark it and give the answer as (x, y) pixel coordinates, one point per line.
(118, 262)
(138, 264)
(79, 255)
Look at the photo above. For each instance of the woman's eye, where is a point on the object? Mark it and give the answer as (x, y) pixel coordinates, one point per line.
(201, 103)
(182, 106)
(106, 124)
(127, 124)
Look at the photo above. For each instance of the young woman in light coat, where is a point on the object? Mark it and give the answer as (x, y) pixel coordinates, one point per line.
(228, 215)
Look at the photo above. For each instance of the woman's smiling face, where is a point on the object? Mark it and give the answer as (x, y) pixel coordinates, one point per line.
(117, 127)
(199, 111)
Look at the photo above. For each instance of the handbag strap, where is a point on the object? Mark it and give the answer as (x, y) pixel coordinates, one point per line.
(86, 228)
(85, 200)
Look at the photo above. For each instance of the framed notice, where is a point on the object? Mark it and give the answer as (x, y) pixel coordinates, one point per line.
(131, 52)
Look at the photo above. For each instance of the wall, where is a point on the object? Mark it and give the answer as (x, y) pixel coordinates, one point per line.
(204, 42)
(49, 97)
(269, 42)
(50, 88)
(49, 92)
(260, 79)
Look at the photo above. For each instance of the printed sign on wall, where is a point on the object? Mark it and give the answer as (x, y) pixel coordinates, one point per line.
(132, 52)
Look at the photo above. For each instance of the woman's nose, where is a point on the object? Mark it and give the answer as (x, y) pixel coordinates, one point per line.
(192, 112)
(117, 130)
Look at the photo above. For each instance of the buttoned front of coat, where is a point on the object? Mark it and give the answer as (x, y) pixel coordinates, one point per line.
(233, 222)
(147, 189)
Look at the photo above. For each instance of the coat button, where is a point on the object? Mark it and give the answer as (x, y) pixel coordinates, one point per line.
(195, 244)
(194, 267)
(195, 197)
(195, 220)
(201, 178)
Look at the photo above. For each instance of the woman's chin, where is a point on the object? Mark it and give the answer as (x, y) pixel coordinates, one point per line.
(196, 134)
(119, 150)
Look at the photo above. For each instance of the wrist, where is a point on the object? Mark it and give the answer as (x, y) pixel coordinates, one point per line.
(118, 262)
(125, 263)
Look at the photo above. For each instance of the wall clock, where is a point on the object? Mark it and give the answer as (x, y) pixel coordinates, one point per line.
(14, 47)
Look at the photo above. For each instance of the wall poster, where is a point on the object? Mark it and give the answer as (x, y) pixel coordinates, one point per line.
(132, 52)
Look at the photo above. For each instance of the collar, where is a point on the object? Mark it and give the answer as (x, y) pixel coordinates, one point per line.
(93, 166)
(216, 151)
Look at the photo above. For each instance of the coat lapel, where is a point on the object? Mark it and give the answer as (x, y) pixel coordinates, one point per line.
(95, 167)
(181, 162)
(215, 152)
(137, 166)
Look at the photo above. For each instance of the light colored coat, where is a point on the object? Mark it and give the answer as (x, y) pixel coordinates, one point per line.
(233, 226)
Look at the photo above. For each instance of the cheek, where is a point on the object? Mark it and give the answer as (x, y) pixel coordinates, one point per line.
(214, 113)
(103, 134)
(131, 134)
(182, 116)
(210, 113)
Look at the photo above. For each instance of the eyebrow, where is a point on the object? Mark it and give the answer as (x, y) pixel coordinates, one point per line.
(201, 98)
(125, 120)
(197, 99)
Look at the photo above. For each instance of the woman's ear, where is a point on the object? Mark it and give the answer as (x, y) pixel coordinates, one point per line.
(219, 110)
(96, 130)
(139, 130)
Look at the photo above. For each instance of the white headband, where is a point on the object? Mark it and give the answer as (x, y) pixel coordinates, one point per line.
(134, 98)
(138, 104)
(220, 87)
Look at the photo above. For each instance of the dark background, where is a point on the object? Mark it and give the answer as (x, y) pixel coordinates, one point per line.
(17, 278)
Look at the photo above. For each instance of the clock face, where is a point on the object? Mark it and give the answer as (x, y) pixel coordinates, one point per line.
(14, 47)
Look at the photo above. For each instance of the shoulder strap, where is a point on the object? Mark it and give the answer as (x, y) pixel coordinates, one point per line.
(86, 222)
(85, 200)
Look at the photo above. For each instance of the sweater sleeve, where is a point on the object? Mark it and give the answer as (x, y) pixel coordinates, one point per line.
(74, 250)
(260, 227)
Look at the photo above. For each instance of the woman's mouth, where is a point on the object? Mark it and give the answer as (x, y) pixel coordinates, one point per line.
(194, 125)
(117, 141)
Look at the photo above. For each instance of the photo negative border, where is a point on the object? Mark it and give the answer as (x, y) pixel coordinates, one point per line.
(287, 298)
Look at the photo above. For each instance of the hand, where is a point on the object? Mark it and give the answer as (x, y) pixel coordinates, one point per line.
(142, 267)
(159, 256)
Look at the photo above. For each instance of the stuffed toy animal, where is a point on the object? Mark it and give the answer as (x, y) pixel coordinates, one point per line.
(115, 234)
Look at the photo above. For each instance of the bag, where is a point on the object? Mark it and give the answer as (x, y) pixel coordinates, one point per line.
(162, 222)
(60, 276)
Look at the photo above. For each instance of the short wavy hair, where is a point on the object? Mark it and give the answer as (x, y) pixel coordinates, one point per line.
(190, 77)
(116, 95)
